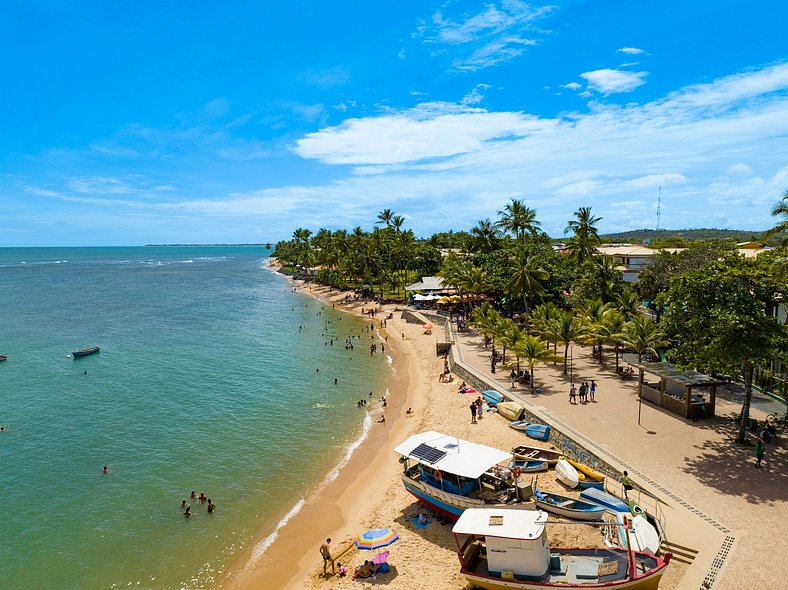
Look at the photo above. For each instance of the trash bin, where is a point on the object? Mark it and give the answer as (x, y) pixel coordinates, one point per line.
(555, 561)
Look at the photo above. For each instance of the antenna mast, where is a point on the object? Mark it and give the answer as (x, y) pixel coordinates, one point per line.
(659, 207)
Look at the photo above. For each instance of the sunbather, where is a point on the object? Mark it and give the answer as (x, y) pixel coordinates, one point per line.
(367, 570)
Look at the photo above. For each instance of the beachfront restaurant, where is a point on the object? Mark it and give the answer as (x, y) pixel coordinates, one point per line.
(687, 393)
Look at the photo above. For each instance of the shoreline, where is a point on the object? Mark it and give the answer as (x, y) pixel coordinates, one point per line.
(336, 503)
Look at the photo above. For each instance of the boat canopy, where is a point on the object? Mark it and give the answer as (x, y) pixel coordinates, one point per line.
(506, 523)
(451, 454)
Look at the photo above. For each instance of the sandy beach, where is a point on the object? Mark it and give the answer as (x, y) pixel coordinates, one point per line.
(368, 492)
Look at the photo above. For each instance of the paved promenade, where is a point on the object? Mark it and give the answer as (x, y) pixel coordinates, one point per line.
(716, 502)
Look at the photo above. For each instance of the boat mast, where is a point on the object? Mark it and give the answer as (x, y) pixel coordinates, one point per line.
(630, 557)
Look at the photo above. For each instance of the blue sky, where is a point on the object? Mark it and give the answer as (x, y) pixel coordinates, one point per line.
(237, 121)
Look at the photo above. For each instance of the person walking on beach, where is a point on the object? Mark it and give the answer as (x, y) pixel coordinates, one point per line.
(759, 450)
(473, 412)
(325, 551)
(592, 389)
(572, 394)
(582, 392)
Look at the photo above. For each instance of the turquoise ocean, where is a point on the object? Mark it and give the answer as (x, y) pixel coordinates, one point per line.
(204, 382)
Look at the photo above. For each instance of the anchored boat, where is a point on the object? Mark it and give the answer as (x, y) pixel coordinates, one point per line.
(452, 475)
(85, 351)
(501, 549)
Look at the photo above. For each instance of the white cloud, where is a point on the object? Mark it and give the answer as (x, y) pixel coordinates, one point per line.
(609, 81)
(630, 50)
(572, 86)
(680, 142)
(476, 95)
(495, 35)
(328, 78)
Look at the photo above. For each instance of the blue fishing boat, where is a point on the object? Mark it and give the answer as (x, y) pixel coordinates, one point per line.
(451, 475)
(569, 507)
(85, 351)
(529, 466)
(538, 431)
(604, 499)
(492, 397)
(590, 484)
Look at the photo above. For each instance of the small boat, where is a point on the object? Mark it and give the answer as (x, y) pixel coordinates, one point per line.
(529, 466)
(3, 358)
(538, 431)
(566, 474)
(492, 397)
(635, 509)
(602, 498)
(589, 484)
(502, 549)
(526, 452)
(451, 475)
(569, 507)
(519, 425)
(642, 536)
(85, 351)
(586, 470)
(510, 410)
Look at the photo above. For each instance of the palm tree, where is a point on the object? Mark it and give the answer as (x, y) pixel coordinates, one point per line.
(781, 229)
(611, 331)
(485, 236)
(386, 216)
(567, 328)
(642, 335)
(397, 222)
(518, 219)
(533, 350)
(542, 318)
(628, 303)
(594, 311)
(527, 277)
(586, 236)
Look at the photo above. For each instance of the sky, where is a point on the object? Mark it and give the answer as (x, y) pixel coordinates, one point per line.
(132, 122)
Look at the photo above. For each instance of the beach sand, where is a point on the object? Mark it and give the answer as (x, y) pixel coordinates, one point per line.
(368, 492)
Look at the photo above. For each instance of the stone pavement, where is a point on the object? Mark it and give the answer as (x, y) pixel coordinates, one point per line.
(713, 499)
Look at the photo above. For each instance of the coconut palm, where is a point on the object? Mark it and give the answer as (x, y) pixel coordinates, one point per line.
(533, 350)
(485, 236)
(527, 276)
(586, 236)
(642, 335)
(518, 219)
(781, 229)
(386, 217)
(611, 331)
(594, 311)
(565, 329)
(628, 303)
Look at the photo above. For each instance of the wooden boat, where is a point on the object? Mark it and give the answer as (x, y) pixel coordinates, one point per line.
(520, 425)
(85, 351)
(510, 410)
(492, 397)
(589, 484)
(526, 452)
(602, 498)
(451, 475)
(566, 474)
(502, 549)
(569, 507)
(538, 431)
(529, 466)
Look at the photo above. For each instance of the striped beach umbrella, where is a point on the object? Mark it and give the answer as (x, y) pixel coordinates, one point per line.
(376, 538)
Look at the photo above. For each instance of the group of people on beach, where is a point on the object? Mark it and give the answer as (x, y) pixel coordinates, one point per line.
(585, 393)
(202, 499)
(477, 410)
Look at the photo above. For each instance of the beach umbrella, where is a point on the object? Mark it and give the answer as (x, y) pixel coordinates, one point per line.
(444, 300)
(455, 299)
(376, 539)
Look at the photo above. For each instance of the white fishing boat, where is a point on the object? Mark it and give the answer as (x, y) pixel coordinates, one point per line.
(566, 474)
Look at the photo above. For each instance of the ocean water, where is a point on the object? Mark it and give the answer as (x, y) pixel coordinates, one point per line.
(204, 382)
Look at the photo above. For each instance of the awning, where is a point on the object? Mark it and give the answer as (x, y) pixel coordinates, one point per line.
(456, 456)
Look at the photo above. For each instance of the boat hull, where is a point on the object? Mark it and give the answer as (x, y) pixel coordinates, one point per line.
(492, 397)
(538, 431)
(588, 484)
(85, 352)
(586, 470)
(650, 582)
(586, 510)
(510, 410)
(450, 505)
(527, 453)
(566, 474)
(604, 499)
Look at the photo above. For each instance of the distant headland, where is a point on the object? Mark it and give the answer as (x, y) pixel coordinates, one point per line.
(159, 245)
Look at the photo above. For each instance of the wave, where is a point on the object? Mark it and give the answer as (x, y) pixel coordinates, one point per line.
(263, 546)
